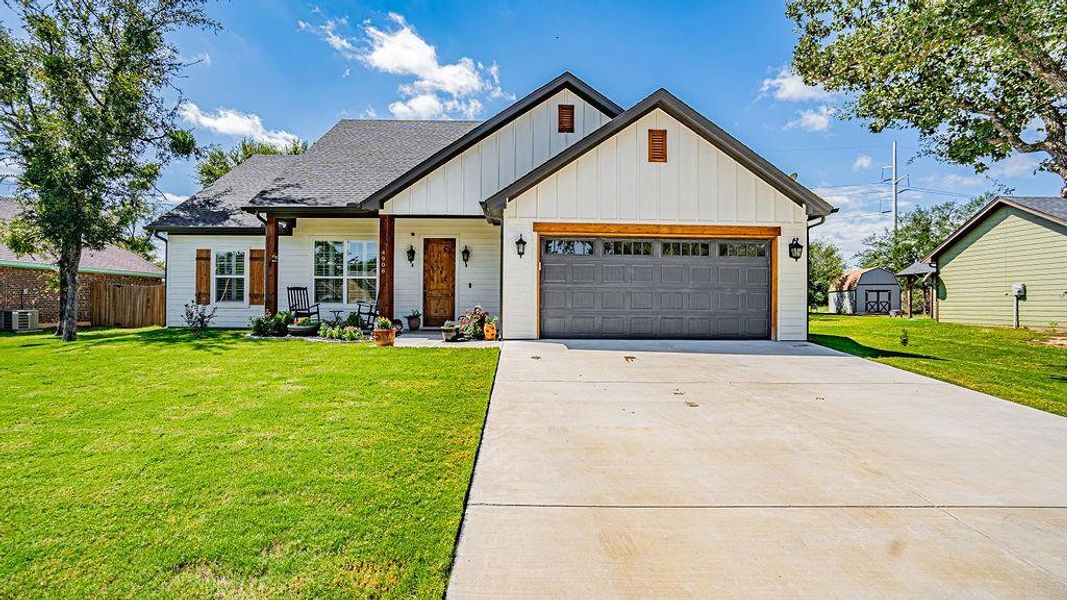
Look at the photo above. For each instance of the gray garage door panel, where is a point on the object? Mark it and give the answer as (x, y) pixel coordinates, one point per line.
(612, 290)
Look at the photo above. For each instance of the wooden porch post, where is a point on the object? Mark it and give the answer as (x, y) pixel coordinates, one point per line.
(908, 286)
(386, 230)
(270, 270)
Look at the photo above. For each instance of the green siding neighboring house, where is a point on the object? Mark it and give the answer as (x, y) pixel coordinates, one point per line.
(1012, 240)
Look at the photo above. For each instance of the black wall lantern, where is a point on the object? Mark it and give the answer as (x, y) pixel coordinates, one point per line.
(520, 246)
(466, 254)
(411, 255)
(796, 249)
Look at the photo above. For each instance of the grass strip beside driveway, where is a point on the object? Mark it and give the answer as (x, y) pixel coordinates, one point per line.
(1014, 364)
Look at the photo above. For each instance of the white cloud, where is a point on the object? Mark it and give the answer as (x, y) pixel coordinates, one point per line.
(812, 119)
(437, 91)
(860, 214)
(226, 121)
(347, 73)
(862, 163)
(787, 86)
(1014, 166)
(171, 200)
(953, 180)
(369, 113)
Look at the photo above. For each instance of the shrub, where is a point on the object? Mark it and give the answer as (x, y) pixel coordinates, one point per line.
(262, 326)
(904, 338)
(280, 323)
(198, 318)
(352, 334)
(354, 320)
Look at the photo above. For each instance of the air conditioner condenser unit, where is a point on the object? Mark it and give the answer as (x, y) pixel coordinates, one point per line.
(19, 320)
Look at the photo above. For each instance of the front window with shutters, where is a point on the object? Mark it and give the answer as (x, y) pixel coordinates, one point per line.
(346, 272)
(229, 276)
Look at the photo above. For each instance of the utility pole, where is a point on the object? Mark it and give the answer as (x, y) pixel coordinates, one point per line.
(895, 182)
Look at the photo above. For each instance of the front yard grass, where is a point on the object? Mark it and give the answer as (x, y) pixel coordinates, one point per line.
(1012, 364)
(147, 463)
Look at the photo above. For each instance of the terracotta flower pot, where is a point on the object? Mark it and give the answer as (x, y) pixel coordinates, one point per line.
(384, 337)
(490, 331)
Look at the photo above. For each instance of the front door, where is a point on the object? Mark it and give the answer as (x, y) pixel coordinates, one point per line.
(438, 281)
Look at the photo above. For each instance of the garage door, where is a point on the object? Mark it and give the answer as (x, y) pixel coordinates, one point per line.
(672, 289)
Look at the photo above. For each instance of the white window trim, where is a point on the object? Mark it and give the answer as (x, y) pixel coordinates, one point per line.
(243, 303)
(344, 277)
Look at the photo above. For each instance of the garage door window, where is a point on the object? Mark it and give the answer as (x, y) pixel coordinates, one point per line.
(616, 248)
(582, 247)
(686, 249)
(743, 249)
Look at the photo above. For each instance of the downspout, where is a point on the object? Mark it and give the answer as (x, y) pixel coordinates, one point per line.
(500, 278)
(166, 271)
(807, 270)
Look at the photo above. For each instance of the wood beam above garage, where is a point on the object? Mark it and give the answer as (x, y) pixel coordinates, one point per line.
(642, 230)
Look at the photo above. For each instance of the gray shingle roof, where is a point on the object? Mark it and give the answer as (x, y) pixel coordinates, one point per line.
(110, 259)
(355, 159)
(219, 204)
(1049, 205)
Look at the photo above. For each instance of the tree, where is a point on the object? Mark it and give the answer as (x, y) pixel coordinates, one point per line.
(919, 232)
(217, 162)
(978, 79)
(84, 116)
(825, 267)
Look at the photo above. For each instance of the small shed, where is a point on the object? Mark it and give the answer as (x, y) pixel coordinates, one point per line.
(865, 292)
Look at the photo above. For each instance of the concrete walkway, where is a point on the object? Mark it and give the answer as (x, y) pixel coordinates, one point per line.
(756, 469)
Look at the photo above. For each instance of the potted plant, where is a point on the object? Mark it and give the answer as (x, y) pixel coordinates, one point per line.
(303, 327)
(414, 320)
(448, 331)
(384, 334)
(490, 328)
(472, 323)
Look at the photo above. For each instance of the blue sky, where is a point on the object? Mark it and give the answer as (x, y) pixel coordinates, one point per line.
(284, 68)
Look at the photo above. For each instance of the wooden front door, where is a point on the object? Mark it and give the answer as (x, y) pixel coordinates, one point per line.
(438, 281)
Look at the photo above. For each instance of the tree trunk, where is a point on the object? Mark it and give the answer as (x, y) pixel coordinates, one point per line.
(70, 260)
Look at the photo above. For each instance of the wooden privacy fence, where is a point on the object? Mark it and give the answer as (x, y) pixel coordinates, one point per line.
(116, 305)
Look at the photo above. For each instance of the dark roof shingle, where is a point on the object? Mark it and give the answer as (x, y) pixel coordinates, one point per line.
(355, 159)
(219, 204)
(111, 258)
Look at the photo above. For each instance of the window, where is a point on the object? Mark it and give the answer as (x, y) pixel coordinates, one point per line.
(657, 145)
(229, 277)
(346, 272)
(566, 118)
(613, 248)
(362, 261)
(686, 249)
(568, 246)
(745, 249)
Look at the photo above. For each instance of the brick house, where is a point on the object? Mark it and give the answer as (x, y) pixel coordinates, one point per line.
(30, 281)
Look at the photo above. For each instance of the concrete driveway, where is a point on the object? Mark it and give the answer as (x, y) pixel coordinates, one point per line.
(755, 469)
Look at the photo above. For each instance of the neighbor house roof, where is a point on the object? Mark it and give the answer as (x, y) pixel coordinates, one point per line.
(664, 100)
(848, 280)
(355, 159)
(111, 260)
(218, 207)
(565, 81)
(1049, 208)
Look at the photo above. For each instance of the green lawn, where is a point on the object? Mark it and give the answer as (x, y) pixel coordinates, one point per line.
(1009, 363)
(146, 463)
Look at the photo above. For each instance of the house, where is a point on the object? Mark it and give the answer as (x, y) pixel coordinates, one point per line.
(1007, 265)
(29, 281)
(865, 292)
(564, 214)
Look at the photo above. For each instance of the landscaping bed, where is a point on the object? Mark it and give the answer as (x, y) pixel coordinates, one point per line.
(154, 463)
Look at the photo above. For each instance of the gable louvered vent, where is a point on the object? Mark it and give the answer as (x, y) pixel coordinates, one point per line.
(657, 145)
(566, 118)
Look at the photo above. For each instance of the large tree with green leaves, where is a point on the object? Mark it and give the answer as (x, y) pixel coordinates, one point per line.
(216, 162)
(824, 268)
(979, 79)
(88, 115)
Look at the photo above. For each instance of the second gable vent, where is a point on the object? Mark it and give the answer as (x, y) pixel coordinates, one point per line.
(566, 118)
(657, 145)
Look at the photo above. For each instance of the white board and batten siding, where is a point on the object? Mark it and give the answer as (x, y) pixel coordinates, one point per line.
(459, 186)
(295, 254)
(615, 183)
(478, 282)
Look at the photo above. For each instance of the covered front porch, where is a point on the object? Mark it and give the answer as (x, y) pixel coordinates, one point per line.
(436, 266)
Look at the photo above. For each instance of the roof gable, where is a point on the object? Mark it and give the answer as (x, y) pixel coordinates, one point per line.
(1049, 208)
(565, 81)
(667, 102)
